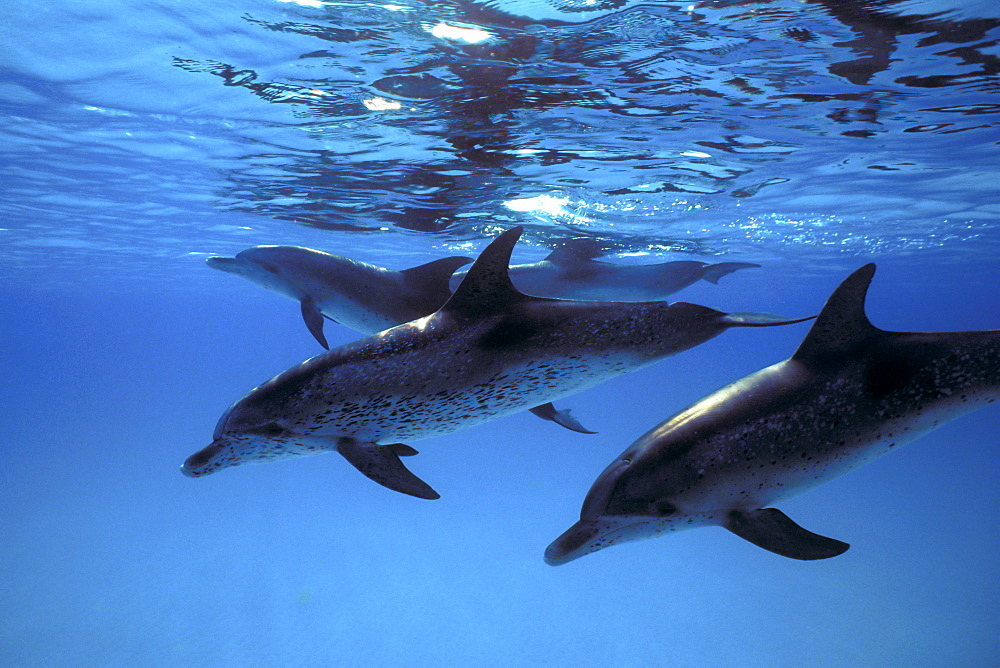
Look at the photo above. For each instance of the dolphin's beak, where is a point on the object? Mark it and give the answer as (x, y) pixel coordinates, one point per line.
(582, 538)
(201, 462)
(222, 263)
(587, 536)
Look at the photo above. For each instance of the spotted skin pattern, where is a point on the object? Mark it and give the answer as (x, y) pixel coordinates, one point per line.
(364, 297)
(850, 393)
(489, 352)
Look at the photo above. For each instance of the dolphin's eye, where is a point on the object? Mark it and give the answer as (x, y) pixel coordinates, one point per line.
(664, 509)
(271, 430)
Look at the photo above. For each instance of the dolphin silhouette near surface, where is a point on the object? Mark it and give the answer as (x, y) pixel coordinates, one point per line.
(850, 393)
(488, 352)
(364, 297)
(571, 272)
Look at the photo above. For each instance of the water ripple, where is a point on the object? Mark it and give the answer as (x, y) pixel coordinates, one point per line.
(690, 127)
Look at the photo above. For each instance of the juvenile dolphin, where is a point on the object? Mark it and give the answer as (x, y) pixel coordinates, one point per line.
(488, 352)
(364, 297)
(850, 393)
(570, 272)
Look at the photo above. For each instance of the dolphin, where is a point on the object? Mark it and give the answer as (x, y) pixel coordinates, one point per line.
(488, 352)
(850, 393)
(570, 272)
(364, 297)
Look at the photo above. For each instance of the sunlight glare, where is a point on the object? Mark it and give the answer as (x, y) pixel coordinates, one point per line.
(467, 35)
(380, 104)
(554, 206)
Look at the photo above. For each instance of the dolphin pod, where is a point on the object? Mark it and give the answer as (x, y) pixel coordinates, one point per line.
(364, 297)
(850, 393)
(489, 351)
(571, 272)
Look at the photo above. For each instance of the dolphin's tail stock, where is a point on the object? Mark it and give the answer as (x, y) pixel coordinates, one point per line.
(714, 272)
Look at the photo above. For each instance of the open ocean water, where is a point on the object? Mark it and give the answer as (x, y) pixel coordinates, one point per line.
(139, 138)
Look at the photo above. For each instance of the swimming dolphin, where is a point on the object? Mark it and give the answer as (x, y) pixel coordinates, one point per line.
(365, 297)
(850, 393)
(488, 352)
(570, 272)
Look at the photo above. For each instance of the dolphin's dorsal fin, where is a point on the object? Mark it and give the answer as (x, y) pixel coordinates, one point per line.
(487, 288)
(772, 530)
(842, 322)
(575, 250)
(436, 274)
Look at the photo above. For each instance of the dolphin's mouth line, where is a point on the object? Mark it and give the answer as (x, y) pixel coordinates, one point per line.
(229, 264)
(588, 546)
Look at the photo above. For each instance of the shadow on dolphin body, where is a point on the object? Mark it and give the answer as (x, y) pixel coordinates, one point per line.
(571, 272)
(850, 393)
(488, 352)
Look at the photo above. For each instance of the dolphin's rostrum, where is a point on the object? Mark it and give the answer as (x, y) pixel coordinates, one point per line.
(488, 352)
(850, 393)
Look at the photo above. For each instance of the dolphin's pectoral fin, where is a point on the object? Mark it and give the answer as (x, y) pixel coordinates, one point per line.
(771, 529)
(314, 321)
(560, 417)
(381, 464)
(402, 449)
(714, 272)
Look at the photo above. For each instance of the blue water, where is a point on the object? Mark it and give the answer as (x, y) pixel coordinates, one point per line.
(140, 138)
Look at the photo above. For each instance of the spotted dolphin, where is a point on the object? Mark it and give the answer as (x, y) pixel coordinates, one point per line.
(364, 297)
(571, 272)
(488, 352)
(850, 393)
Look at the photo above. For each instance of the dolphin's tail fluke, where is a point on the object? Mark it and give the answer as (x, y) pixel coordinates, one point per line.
(381, 463)
(714, 272)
